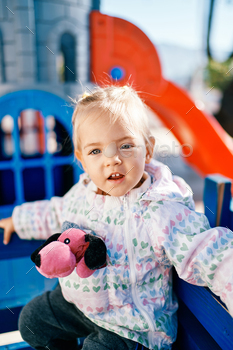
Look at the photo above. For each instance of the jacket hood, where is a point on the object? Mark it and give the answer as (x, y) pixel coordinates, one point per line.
(166, 186)
(159, 186)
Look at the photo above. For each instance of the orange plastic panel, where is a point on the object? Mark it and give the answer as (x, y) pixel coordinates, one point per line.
(116, 42)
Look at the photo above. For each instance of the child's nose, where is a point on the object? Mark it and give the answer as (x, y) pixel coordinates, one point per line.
(112, 155)
(113, 160)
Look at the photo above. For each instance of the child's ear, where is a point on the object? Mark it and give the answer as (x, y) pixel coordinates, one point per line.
(150, 149)
(79, 156)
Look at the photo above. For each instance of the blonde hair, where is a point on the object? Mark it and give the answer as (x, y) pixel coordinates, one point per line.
(119, 103)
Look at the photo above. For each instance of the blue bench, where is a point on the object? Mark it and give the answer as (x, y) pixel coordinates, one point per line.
(20, 282)
(204, 322)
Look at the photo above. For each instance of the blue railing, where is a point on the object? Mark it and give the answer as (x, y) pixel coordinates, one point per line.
(204, 322)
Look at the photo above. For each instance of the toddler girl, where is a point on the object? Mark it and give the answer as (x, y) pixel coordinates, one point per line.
(146, 218)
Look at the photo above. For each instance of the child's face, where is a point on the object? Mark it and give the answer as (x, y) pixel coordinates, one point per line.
(112, 155)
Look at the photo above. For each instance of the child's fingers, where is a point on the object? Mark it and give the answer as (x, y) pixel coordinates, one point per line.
(2, 226)
(8, 227)
(7, 236)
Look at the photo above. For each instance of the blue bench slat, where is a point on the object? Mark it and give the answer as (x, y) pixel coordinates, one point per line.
(20, 281)
(191, 333)
(209, 312)
(17, 247)
(212, 189)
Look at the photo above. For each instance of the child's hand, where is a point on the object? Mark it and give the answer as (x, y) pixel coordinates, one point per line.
(8, 226)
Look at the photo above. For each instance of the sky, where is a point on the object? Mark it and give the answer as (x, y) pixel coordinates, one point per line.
(177, 22)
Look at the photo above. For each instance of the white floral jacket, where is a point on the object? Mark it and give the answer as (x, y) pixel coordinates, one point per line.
(147, 231)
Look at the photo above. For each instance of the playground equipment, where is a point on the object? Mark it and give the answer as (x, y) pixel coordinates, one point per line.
(27, 177)
(119, 49)
(48, 172)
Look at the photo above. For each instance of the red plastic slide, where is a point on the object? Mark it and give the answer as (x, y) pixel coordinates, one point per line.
(121, 49)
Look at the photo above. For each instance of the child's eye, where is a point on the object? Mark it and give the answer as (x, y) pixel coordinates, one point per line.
(126, 146)
(95, 151)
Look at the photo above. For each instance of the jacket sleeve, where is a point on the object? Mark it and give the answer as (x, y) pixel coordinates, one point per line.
(201, 255)
(40, 219)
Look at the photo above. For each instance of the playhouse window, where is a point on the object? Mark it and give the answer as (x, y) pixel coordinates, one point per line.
(32, 135)
(7, 188)
(59, 142)
(34, 184)
(66, 59)
(63, 179)
(6, 137)
(31, 131)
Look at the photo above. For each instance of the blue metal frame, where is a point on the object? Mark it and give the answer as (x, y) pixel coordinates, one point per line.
(48, 104)
(20, 281)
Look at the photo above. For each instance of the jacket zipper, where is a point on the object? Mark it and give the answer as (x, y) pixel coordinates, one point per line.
(132, 270)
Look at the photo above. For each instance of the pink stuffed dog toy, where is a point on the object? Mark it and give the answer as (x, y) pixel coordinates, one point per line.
(61, 253)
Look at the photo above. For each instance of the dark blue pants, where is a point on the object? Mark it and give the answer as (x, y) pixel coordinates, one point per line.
(50, 322)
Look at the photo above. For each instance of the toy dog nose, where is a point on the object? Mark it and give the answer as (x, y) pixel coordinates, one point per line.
(37, 260)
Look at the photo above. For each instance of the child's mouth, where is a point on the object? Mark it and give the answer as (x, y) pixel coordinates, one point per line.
(116, 178)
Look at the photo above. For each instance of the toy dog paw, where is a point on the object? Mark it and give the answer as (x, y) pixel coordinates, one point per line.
(61, 253)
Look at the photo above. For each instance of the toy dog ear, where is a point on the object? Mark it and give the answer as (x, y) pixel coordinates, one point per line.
(49, 240)
(95, 255)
